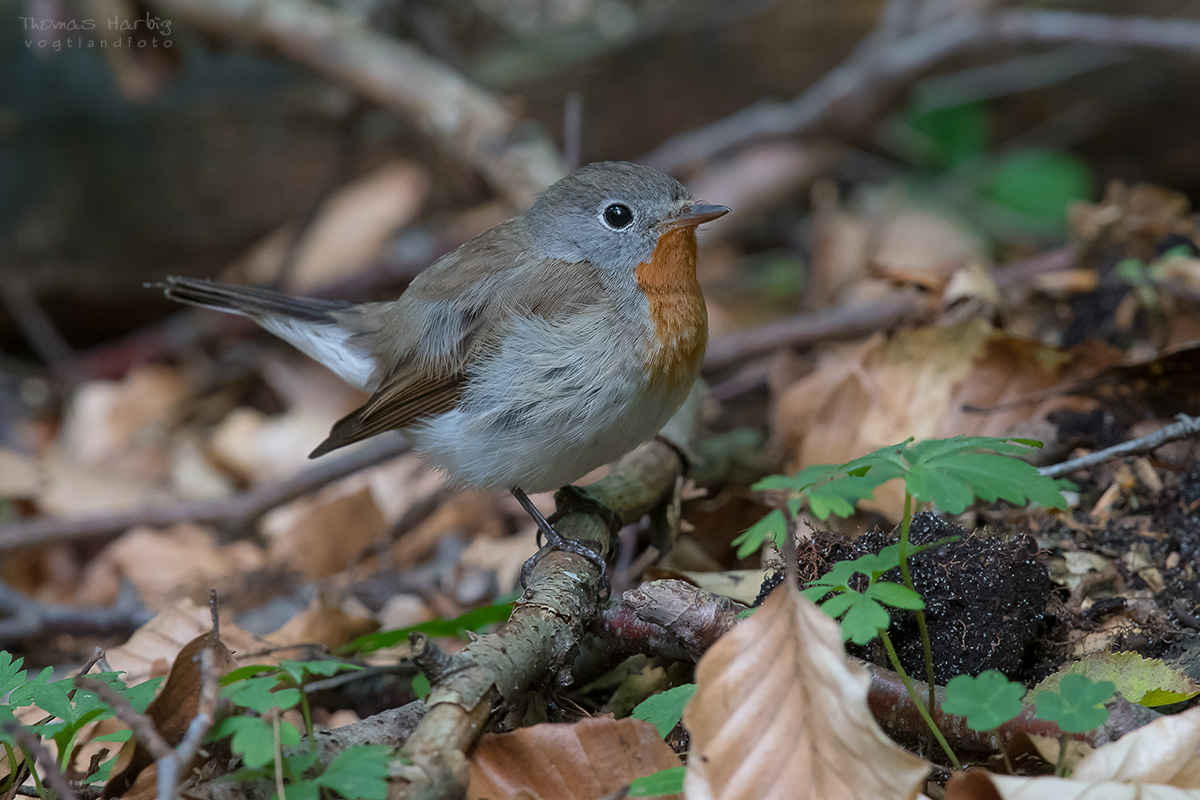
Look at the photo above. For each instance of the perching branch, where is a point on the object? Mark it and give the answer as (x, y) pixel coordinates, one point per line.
(541, 637)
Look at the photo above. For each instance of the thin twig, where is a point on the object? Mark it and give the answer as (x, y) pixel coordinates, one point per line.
(58, 781)
(38, 329)
(141, 725)
(234, 513)
(206, 713)
(1186, 428)
(865, 83)
(572, 129)
(797, 331)
(23, 617)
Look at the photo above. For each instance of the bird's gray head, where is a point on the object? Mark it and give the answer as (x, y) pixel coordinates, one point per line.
(612, 213)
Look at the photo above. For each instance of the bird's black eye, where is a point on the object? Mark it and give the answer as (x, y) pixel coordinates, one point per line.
(617, 216)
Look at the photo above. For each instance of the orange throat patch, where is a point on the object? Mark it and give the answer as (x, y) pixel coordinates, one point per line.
(676, 306)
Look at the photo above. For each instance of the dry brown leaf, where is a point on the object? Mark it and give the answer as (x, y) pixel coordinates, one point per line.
(779, 714)
(895, 238)
(155, 645)
(1159, 760)
(261, 448)
(173, 710)
(117, 422)
(323, 535)
(19, 475)
(925, 383)
(165, 564)
(73, 488)
(503, 556)
(582, 761)
(350, 229)
(326, 624)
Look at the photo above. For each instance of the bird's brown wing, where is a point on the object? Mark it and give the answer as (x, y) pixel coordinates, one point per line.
(396, 405)
(468, 296)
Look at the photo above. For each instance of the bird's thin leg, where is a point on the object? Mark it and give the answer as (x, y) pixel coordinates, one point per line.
(554, 541)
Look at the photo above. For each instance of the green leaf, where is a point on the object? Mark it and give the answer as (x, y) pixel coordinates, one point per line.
(865, 619)
(1038, 184)
(987, 701)
(140, 694)
(809, 476)
(11, 674)
(250, 671)
(1077, 706)
(951, 473)
(666, 781)
(253, 738)
(420, 686)
(359, 772)
(299, 671)
(53, 698)
(460, 626)
(840, 495)
(895, 594)
(947, 137)
(261, 695)
(665, 709)
(752, 539)
(300, 790)
(1146, 681)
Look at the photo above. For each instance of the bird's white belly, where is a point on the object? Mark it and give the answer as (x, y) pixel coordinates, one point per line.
(547, 407)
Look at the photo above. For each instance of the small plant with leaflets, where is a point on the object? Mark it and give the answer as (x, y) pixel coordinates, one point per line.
(265, 742)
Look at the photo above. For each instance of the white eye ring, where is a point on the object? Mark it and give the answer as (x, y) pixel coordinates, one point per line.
(616, 216)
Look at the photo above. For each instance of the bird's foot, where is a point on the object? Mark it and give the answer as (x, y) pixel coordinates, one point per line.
(569, 499)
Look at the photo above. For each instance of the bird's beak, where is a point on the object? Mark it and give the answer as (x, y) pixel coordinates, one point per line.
(695, 214)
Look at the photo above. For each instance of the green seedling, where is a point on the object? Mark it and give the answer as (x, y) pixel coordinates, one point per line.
(987, 700)
(461, 626)
(665, 709)
(948, 474)
(1078, 705)
(667, 781)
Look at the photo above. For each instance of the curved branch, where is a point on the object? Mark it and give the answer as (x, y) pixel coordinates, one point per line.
(859, 88)
(512, 154)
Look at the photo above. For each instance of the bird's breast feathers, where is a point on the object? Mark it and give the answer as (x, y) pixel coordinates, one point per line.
(680, 320)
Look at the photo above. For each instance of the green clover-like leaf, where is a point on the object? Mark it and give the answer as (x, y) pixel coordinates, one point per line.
(1078, 705)
(987, 701)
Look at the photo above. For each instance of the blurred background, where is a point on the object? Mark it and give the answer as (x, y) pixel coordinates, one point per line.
(198, 140)
(938, 207)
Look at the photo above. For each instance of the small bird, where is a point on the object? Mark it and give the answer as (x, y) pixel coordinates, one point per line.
(543, 348)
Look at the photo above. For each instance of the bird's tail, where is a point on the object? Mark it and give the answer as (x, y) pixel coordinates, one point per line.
(321, 329)
(248, 301)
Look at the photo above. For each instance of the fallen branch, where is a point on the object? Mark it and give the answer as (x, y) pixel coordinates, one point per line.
(234, 513)
(1186, 428)
(804, 329)
(537, 645)
(681, 621)
(23, 618)
(514, 157)
(862, 86)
